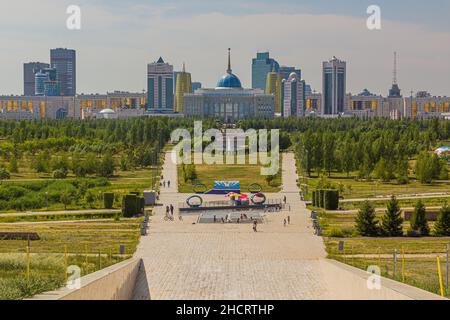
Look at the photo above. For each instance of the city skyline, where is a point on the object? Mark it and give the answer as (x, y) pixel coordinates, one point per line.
(106, 41)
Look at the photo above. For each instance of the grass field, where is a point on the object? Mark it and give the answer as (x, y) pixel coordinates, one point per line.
(404, 203)
(91, 245)
(246, 174)
(355, 189)
(418, 267)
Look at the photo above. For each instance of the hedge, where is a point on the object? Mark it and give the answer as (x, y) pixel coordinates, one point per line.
(326, 199)
(331, 200)
(130, 205)
(314, 197)
(108, 200)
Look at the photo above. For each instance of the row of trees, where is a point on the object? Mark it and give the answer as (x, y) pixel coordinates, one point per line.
(378, 148)
(391, 224)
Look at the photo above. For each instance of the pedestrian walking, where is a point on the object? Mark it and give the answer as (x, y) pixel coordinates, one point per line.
(171, 209)
(215, 219)
(164, 184)
(167, 210)
(285, 222)
(168, 184)
(255, 226)
(289, 219)
(285, 199)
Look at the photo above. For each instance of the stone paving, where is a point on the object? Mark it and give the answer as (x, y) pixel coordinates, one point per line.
(198, 261)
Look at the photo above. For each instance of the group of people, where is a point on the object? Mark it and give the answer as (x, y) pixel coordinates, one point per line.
(163, 182)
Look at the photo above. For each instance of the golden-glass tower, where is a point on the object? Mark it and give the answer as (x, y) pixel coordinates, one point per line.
(184, 85)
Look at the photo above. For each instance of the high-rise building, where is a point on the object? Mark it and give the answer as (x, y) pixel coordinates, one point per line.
(184, 85)
(294, 102)
(160, 87)
(261, 66)
(334, 86)
(285, 72)
(29, 71)
(273, 86)
(64, 61)
(40, 78)
(46, 83)
(196, 86)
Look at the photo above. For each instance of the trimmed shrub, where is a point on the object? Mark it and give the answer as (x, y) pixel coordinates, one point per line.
(108, 200)
(129, 205)
(321, 203)
(331, 199)
(141, 204)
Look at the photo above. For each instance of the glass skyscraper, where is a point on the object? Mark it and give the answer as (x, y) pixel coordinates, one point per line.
(261, 66)
(64, 61)
(334, 86)
(29, 71)
(160, 87)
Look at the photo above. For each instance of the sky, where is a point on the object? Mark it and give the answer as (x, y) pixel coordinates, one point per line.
(119, 37)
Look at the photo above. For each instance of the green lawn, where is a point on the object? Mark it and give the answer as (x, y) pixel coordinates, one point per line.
(371, 189)
(419, 267)
(246, 174)
(407, 203)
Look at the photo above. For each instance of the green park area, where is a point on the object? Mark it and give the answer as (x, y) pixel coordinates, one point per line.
(246, 174)
(405, 248)
(90, 244)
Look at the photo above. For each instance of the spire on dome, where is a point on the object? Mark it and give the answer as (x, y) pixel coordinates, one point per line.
(229, 71)
(184, 67)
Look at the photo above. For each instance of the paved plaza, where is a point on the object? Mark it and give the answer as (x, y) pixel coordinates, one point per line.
(184, 260)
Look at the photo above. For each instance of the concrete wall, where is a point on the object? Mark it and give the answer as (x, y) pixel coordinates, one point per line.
(116, 282)
(349, 283)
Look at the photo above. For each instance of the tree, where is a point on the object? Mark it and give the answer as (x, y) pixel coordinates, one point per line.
(401, 172)
(90, 198)
(392, 221)
(106, 166)
(328, 152)
(366, 222)
(4, 175)
(59, 174)
(347, 157)
(419, 221)
(442, 225)
(66, 199)
(13, 166)
(270, 179)
(430, 167)
(381, 171)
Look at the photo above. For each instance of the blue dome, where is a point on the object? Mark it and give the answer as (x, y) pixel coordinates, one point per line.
(229, 81)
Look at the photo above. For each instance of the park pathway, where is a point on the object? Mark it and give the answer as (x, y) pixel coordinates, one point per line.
(187, 261)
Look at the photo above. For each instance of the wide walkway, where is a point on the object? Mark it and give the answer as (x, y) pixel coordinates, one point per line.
(183, 260)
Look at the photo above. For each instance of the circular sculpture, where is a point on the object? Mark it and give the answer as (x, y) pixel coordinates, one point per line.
(254, 188)
(259, 199)
(200, 188)
(192, 204)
